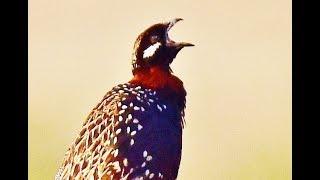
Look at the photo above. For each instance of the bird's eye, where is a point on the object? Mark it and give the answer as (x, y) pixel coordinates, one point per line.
(154, 39)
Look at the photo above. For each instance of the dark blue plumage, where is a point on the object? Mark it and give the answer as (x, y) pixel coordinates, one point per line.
(160, 135)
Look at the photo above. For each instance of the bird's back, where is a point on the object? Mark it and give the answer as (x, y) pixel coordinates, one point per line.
(133, 133)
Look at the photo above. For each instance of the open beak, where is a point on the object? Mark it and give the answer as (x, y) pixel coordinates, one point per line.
(169, 42)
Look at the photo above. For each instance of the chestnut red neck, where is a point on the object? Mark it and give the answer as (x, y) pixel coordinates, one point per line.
(158, 78)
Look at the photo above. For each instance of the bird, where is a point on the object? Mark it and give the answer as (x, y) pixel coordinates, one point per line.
(135, 131)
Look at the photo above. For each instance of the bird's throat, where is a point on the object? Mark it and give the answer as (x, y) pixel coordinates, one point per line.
(159, 78)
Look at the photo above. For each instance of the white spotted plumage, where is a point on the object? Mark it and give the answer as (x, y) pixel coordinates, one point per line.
(159, 107)
(151, 175)
(147, 172)
(133, 133)
(149, 158)
(135, 120)
(145, 153)
(96, 153)
(128, 130)
(118, 131)
(136, 108)
(131, 142)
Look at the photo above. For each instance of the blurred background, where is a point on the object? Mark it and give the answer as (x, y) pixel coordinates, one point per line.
(238, 79)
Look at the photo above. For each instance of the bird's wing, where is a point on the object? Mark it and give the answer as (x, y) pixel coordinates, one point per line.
(95, 152)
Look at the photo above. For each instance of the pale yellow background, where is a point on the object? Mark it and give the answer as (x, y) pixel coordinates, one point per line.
(238, 78)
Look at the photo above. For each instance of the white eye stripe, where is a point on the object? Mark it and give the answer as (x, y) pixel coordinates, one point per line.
(151, 50)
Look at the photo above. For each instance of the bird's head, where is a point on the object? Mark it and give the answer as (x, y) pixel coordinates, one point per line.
(153, 47)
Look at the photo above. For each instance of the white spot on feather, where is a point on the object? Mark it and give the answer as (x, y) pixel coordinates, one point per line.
(131, 142)
(133, 133)
(149, 158)
(151, 175)
(125, 162)
(145, 153)
(115, 153)
(135, 120)
(115, 140)
(136, 108)
(164, 106)
(147, 172)
(118, 131)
